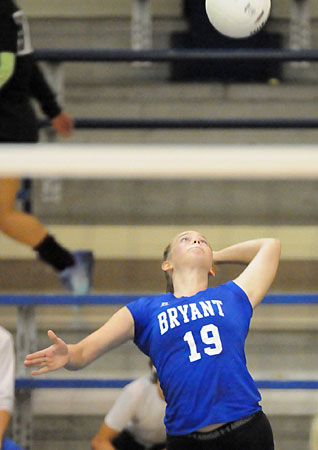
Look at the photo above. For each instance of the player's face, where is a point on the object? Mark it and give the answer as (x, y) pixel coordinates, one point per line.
(191, 246)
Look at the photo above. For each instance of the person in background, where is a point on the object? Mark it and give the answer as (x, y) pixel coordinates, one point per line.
(135, 421)
(7, 376)
(21, 80)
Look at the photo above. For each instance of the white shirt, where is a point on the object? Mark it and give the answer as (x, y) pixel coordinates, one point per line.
(7, 368)
(140, 410)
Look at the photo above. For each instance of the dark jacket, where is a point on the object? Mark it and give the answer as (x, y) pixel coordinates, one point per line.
(18, 122)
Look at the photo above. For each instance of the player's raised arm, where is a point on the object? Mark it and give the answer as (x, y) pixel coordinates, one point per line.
(262, 258)
(119, 329)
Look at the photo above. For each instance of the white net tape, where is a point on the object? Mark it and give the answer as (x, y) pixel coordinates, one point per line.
(160, 161)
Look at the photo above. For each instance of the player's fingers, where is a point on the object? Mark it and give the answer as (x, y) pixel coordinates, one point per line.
(35, 362)
(35, 355)
(40, 371)
(53, 337)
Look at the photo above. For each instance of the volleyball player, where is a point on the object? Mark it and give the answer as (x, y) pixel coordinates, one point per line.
(195, 336)
(135, 421)
(20, 81)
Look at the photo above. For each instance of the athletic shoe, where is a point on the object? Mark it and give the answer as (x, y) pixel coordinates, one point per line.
(78, 278)
(7, 444)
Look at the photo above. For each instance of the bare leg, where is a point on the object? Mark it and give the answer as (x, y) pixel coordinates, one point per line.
(20, 226)
(75, 269)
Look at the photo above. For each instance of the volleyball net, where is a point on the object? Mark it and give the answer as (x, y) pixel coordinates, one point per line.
(164, 161)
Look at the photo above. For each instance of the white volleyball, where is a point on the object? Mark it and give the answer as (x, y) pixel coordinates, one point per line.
(238, 18)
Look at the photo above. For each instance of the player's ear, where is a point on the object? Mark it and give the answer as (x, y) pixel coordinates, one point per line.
(166, 265)
(212, 271)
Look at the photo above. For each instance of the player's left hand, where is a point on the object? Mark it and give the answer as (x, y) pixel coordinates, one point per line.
(63, 124)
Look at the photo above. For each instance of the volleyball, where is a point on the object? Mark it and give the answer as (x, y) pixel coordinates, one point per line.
(238, 18)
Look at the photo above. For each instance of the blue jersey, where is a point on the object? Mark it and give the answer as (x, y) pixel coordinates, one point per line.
(197, 346)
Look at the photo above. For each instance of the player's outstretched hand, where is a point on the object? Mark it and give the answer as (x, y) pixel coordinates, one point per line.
(51, 358)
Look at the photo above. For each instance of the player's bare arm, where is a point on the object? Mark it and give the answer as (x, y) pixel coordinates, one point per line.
(262, 258)
(116, 331)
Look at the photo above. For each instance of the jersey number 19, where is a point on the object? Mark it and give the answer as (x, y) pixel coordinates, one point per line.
(210, 336)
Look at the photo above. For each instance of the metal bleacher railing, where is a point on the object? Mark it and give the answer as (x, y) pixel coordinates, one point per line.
(56, 57)
(26, 340)
(26, 324)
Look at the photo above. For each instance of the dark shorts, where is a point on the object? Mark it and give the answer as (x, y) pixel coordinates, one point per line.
(126, 441)
(252, 433)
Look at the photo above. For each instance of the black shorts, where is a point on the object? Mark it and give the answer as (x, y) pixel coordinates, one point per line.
(252, 434)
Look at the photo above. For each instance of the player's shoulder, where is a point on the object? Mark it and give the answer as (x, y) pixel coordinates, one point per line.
(149, 301)
(229, 286)
(156, 298)
(233, 289)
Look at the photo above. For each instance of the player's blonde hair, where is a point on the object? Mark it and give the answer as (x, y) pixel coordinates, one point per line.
(169, 285)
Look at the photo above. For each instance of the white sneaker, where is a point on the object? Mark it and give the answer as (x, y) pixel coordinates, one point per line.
(78, 278)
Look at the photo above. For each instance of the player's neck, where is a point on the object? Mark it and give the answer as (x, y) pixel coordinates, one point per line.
(188, 282)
